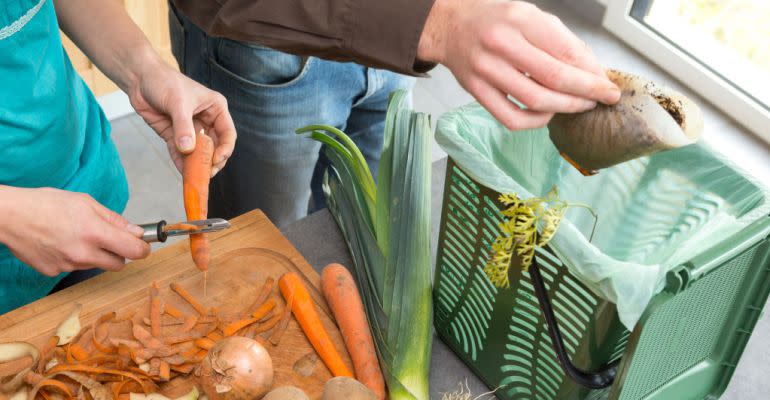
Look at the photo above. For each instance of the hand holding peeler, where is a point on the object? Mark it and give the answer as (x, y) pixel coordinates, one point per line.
(160, 231)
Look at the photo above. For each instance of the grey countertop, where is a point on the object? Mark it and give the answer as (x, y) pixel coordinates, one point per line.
(320, 242)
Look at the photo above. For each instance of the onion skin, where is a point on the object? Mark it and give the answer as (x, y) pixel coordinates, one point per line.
(236, 368)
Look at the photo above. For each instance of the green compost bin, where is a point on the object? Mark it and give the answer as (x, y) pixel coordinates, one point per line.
(692, 333)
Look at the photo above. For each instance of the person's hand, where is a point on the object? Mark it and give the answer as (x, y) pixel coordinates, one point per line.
(57, 231)
(497, 49)
(177, 107)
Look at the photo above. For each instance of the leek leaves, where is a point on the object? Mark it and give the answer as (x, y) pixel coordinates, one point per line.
(387, 229)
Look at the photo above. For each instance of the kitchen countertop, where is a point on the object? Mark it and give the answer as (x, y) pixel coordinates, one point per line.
(320, 241)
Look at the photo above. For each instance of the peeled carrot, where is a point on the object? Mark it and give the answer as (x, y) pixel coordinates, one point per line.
(341, 293)
(304, 310)
(196, 176)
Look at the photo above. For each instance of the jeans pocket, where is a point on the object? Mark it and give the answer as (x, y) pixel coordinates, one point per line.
(177, 35)
(257, 65)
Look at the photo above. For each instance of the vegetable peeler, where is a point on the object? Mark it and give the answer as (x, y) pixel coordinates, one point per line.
(160, 231)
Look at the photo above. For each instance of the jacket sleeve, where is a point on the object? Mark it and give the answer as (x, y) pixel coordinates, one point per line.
(376, 33)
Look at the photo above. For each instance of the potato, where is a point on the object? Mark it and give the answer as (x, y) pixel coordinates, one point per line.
(647, 119)
(344, 388)
(286, 393)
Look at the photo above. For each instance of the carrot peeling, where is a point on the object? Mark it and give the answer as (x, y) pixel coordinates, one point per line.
(275, 338)
(182, 337)
(47, 352)
(204, 343)
(183, 293)
(262, 296)
(270, 323)
(189, 324)
(304, 310)
(173, 311)
(146, 338)
(264, 309)
(154, 311)
(164, 372)
(52, 384)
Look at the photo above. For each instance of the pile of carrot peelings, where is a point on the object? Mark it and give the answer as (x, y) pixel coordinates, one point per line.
(387, 228)
(126, 355)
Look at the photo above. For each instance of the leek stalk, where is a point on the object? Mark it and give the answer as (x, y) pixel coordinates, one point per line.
(387, 230)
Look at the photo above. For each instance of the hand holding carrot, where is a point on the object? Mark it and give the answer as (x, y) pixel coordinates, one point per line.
(177, 107)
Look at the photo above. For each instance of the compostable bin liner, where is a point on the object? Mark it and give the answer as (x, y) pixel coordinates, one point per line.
(654, 213)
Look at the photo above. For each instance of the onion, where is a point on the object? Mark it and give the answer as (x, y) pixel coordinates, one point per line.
(236, 368)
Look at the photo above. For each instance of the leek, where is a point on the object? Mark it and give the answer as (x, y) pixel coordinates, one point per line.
(387, 229)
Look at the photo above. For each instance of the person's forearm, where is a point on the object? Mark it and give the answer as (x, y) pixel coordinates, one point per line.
(7, 207)
(106, 34)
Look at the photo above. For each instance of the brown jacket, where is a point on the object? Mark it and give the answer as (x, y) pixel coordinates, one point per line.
(376, 33)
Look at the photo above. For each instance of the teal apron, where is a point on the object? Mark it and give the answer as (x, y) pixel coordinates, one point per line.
(52, 131)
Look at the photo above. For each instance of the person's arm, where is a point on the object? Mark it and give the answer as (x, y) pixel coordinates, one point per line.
(375, 33)
(56, 231)
(172, 104)
(495, 48)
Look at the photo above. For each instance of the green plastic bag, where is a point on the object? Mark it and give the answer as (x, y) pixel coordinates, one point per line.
(654, 213)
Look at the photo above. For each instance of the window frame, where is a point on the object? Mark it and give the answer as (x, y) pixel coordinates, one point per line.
(703, 80)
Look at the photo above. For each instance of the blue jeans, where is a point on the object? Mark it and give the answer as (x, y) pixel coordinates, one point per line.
(270, 94)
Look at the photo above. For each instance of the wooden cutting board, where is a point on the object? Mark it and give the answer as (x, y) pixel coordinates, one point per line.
(242, 258)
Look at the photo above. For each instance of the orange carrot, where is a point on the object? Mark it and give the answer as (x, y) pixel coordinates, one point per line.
(183, 293)
(196, 176)
(341, 293)
(304, 310)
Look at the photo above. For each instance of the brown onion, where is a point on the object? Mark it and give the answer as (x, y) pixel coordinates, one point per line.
(236, 368)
